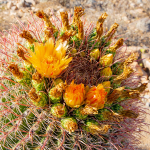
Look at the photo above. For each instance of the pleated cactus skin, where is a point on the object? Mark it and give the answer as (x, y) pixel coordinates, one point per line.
(79, 50)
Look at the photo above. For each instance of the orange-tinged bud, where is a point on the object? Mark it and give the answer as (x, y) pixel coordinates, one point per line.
(74, 95)
(95, 97)
(106, 85)
(106, 60)
(106, 72)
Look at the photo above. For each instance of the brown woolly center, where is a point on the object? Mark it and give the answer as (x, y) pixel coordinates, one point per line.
(82, 70)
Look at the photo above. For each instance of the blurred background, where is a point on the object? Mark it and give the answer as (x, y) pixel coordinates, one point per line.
(133, 17)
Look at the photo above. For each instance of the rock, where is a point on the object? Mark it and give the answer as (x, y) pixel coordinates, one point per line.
(14, 8)
(143, 24)
(44, 0)
(21, 4)
(90, 3)
(33, 2)
(10, 5)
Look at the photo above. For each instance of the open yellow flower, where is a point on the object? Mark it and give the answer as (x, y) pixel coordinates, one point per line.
(49, 59)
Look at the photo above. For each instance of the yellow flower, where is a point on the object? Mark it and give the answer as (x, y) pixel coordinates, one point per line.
(96, 96)
(74, 95)
(49, 59)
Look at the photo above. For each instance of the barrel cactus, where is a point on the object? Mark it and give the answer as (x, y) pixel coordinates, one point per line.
(61, 86)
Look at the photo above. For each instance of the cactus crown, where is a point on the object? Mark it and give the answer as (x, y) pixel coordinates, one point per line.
(62, 88)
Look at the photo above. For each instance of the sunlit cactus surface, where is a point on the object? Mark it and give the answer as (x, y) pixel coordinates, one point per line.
(63, 86)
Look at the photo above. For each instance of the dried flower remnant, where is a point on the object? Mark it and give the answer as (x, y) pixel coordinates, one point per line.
(89, 110)
(65, 21)
(115, 95)
(99, 25)
(37, 77)
(15, 71)
(67, 34)
(129, 113)
(80, 30)
(33, 95)
(27, 35)
(126, 73)
(112, 31)
(115, 117)
(117, 45)
(78, 12)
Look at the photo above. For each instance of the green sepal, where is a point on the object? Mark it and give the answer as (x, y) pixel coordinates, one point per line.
(39, 86)
(54, 99)
(66, 120)
(78, 114)
(100, 116)
(61, 33)
(29, 67)
(88, 123)
(43, 100)
(57, 81)
(54, 107)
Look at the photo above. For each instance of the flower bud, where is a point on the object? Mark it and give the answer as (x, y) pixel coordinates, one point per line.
(93, 127)
(38, 82)
(55, 94)
(78, 113)
(58, 110)
(106, 72)
(106, 60)
(106, 86)
(70, 124)
(39, 99)
(94, 54)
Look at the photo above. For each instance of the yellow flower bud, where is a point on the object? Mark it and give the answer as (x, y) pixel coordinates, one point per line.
(94, 54)
(106, 86)
(74, 51)
(106, 72)
(106, 60)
